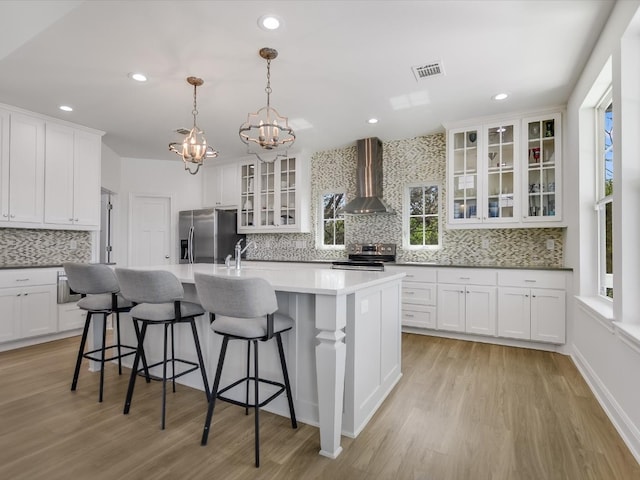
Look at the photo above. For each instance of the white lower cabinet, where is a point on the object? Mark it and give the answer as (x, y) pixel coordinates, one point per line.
(27, 303)
(418, 296)
(528, 312)
(509, 303)
(467, 300)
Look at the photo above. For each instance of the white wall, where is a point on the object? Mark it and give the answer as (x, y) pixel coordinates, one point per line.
(156, 177)
(608, 358)
(111, 170)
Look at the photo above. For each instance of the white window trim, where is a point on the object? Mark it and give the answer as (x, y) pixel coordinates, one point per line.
(320, 221)
(405, 216)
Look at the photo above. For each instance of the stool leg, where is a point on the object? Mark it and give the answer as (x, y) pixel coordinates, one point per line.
(287, 386)
(246, 403)
(214, 391)
(102, 361)
(76, 373)
(134, 369)
(173, 360)
(117, 318)
(164, 375)
(257, 402)
(142, 355)
(200, 358)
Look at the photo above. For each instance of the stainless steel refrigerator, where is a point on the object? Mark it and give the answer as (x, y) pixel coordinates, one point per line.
(207, 235)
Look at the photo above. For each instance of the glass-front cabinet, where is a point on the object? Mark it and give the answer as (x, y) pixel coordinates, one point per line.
(542, 173)
(505, 173)
(464, 174)
(271, 197)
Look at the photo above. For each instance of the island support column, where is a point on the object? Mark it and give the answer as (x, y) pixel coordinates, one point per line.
(331, 354)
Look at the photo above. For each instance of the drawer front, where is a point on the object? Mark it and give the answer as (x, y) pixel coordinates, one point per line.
(420, 316)
(532, 279)
(27, 277)
(418, 293)
(467, 276)
(417, 274)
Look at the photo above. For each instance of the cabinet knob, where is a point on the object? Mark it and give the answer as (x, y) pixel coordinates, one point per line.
(12, 216)
(5, 215)
(526, 296)
(71, 219)
(75, 219)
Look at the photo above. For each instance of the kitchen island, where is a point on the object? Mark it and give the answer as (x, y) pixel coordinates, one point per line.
(343, 353)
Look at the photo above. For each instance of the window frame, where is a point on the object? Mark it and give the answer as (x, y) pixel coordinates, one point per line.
(406, 230)
(321, 220)
(603, 200)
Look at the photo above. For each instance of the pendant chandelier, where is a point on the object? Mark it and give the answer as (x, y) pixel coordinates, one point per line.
(266, 133)
(194, 148)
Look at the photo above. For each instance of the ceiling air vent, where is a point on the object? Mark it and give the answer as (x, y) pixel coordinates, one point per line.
(430, 69)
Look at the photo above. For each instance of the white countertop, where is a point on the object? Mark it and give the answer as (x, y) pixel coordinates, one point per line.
(299, 280)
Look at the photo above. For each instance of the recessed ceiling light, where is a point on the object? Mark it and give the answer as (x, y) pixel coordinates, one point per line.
(269, 22)
(65, 108)
(138, 77)
(372, 120)
(500, 96)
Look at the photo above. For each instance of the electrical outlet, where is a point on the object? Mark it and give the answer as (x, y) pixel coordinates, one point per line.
(299, 243)
(485, 243)
(550, 244)
(73, 245)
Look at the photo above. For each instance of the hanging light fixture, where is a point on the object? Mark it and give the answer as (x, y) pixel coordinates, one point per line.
(266, 133)
(194, 148)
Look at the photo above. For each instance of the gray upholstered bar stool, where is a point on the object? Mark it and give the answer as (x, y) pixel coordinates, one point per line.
(157, 296)
(99, 288)
(244, 309)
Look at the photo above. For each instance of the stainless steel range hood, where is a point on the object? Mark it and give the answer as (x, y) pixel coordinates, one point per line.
(368, 180)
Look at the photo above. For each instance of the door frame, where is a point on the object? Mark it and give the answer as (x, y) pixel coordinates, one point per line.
(133, 198)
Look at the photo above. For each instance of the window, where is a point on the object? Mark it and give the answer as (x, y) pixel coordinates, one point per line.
(332, 224)
(422, 216)
(604, 203)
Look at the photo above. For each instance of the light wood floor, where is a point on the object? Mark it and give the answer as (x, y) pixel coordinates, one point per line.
(462, 410)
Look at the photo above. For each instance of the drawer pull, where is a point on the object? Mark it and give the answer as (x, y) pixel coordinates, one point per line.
(22, 279)
(530, 281)
(465, 278)
(410, 276)
(409, 292)
(408, 315)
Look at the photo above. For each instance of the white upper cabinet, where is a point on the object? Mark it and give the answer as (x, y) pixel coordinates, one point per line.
(22, 169)
(221, 186)
(274, 197)
(72, 177)
(505, 173)
(49, 173)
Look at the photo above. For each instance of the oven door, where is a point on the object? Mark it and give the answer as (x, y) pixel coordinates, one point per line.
(65, 294)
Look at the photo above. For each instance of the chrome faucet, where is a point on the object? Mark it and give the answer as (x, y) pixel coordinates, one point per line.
(240, 251)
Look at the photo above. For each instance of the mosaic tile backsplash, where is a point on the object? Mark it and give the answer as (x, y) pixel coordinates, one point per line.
(19, 247)
(410, 160)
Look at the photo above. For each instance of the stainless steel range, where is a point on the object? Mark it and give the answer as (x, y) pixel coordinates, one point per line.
(367, 256)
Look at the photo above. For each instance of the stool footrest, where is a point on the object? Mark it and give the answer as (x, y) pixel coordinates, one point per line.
(251, 405)
(194, 367)
(89, 354)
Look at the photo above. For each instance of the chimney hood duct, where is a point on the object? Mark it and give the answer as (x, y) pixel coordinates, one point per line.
(368, 180)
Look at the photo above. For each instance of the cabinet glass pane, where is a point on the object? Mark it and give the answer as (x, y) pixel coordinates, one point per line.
(465, 175)
(541, 174)
(247, 195)
(500, 171)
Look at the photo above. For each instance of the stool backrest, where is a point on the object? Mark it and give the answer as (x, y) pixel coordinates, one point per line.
(149, 286)
(235, 297)
(91, 279)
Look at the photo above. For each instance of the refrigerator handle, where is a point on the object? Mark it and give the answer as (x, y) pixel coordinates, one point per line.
(191, 245)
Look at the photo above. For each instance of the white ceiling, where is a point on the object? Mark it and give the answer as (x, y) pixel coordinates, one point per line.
(339, 63)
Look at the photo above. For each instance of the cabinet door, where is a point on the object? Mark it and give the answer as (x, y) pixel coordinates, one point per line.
(221, 186)
(58, 183)
(451, 308)
(10, 318)
(500, 203)
(4, 167)
(420, 316)
(480, 309)
(26, 167)
(247, 197)
(267, 183)
(287, 202)
(70, 317)
(38, 314)
(514, 313)
(463, 175)
(548, 315)
(86, 179)
(542, 178)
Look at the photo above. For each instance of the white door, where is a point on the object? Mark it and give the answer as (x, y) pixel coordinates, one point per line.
(150, 227)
